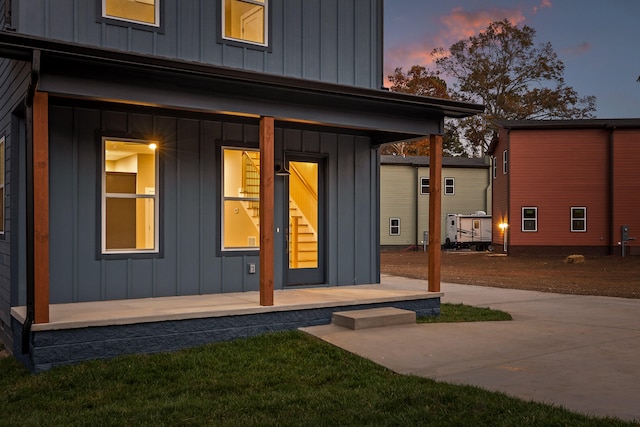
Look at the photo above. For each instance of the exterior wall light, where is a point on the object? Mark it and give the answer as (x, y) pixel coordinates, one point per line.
(504, 226)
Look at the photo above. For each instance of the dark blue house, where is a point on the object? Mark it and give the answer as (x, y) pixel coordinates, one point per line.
(171, 148)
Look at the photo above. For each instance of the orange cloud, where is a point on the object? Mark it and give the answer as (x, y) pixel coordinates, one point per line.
(457, 25)
(461, 24)
(580, 49)
(543, 4)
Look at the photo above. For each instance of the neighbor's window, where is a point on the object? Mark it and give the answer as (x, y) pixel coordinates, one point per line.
(495, 167)
(2, 185)
(129, 196)
(578, 219)
(394, 226)
(145, 12)
(241, 199)
(449, 186)
(505, 162)
(529, 219)
(245, 20)
(424, 185)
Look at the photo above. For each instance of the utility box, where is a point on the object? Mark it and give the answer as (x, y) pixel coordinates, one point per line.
(624, 231)
(465, 231)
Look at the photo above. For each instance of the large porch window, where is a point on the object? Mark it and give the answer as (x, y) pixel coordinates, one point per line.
(241, 199)
(245, 21)
(129, 196)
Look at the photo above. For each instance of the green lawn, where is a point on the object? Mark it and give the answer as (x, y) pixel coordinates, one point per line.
(465, 313)
(280, 379)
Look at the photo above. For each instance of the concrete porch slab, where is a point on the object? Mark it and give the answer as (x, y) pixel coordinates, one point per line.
(101, 330)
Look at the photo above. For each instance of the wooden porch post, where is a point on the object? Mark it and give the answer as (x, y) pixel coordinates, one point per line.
(41, 206)
(267, 170)
(435, 209)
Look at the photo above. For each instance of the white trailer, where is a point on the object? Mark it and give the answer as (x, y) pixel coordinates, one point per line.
(464, 231)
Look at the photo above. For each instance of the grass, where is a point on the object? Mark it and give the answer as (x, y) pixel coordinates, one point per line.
(283, 379)
(464, 313)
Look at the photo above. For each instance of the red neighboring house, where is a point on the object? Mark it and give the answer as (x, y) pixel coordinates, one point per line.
(566, 186)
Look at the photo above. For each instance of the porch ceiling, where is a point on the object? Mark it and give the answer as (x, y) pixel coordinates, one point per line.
(71, 70)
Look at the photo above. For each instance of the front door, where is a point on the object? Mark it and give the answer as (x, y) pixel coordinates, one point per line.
(305, 232)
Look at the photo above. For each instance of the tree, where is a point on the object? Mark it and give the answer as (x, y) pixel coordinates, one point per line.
(515, 80)
(406, 148)
(420, 81)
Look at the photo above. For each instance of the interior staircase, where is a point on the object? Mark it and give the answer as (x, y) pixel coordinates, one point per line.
(303, 240)
(302, 237)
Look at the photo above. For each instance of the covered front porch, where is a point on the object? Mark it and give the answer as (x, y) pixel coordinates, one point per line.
(105, 329)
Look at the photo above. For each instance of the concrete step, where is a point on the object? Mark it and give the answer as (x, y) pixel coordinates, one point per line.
(373, 318)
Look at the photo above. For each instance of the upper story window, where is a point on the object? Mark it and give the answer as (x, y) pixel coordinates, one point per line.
(245, 21)
(495, 167)
(137, 12)
(424, 185)
(449, 186)
(129, 196)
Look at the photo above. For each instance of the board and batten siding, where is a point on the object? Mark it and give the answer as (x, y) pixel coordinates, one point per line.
(191, 262)
(398, 192)
(555, 170)
(335, 41)
(14, 80)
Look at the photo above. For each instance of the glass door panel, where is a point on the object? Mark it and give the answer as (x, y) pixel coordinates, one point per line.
(305, 223)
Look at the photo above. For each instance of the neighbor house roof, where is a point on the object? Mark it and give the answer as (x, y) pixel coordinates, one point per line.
(569, 124)
(563, 124)
(449, 162)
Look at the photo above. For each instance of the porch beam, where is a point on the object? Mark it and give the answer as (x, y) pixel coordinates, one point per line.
(435, 211)
(267, 171)
(41, 206)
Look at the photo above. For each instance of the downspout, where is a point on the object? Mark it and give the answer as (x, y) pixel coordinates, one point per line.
(33, 86)
(610, 212)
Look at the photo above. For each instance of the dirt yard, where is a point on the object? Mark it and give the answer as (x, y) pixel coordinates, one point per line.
(604, 276)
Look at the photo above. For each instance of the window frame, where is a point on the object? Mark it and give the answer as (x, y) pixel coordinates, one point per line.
(423, 186)
(241, 250)
(396, 226)
(157, 251)
(101, 11)
(583, 219)
(451, 186)
(223, 39)
(505, 162)
(495, 167)
(535, 219)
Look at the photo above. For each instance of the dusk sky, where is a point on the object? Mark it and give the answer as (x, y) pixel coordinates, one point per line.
(598, 41)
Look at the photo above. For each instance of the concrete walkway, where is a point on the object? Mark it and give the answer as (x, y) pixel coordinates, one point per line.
(580, 352)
